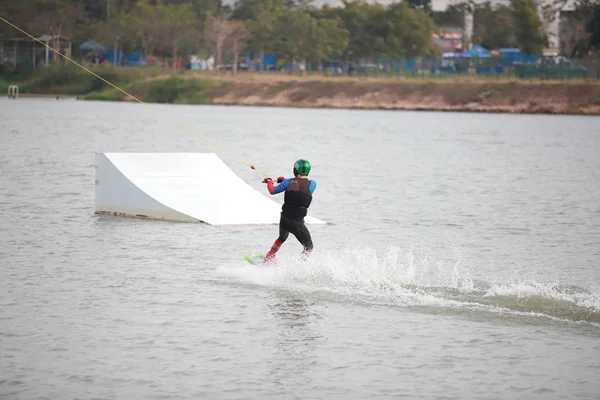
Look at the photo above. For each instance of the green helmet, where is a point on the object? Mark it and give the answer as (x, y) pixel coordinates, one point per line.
(301, 167)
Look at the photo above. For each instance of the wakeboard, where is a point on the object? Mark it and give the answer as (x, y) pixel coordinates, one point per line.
(255, 258)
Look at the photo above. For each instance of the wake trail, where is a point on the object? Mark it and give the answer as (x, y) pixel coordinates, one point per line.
(397, 278)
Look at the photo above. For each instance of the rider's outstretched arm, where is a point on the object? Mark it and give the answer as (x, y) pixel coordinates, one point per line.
(279, 188)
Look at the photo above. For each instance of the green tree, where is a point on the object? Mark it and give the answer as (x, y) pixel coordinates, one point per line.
(17, 12)
(204, 8)
(593, 26)
(423, 5)
(494, 26)
(104, 9)
(359, 19)
(401, 31)
(302, 37)
(529, 32)
(454, 15)
(180, 28)
(333, 40)
(296, 36)
(113, 32)
(148, 25)
(250, 9)
(261, 18)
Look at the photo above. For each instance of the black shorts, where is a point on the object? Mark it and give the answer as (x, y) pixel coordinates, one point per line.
(296, 228)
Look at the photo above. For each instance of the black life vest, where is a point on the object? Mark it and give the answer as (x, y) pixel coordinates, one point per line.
(297, 199)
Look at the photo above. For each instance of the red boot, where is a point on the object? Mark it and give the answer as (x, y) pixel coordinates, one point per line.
(270, 257)
(304, 255)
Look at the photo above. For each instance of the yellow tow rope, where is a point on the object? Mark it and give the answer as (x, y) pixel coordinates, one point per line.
(135, 98)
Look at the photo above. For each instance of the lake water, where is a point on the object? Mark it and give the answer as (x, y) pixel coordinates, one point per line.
(462, 260)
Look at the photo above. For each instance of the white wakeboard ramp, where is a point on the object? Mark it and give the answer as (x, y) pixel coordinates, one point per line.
(183, 187)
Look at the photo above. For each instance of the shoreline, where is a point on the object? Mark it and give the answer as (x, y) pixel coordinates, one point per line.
(49, 96)
(415, 109)
(460, 94)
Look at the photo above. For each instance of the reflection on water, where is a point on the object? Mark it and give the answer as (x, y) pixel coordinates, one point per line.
(295, 341)
(294, 320)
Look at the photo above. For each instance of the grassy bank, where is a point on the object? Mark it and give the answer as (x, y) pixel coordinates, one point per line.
(274, 89)
(72, 80)
(173, 89)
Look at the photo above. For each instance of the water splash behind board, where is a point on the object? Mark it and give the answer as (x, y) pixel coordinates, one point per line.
(397, 278)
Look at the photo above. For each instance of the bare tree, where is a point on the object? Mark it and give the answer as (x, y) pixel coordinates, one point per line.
(574, 37)
(239, 34)
(58, 18)
(217, 30)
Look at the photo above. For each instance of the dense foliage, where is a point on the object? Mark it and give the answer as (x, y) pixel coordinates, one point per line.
(293, 30)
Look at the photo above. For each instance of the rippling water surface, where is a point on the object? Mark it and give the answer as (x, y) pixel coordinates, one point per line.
(462, 259)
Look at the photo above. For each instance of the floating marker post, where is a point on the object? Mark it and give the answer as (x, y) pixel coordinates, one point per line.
(13, 92)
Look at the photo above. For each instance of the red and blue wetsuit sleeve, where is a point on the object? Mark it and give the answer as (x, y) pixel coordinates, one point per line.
(279, 188)
(284, 185)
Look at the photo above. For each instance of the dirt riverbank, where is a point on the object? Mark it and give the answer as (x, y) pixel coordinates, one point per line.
(283, 90)
(452, 95)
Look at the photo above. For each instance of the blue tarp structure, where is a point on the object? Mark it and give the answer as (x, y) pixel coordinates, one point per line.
(90, 45)
(135, 59)
(110, 57)
(269, 63)
(477, 51)
(131, 59)
(511, 55)
(514, 55)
